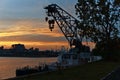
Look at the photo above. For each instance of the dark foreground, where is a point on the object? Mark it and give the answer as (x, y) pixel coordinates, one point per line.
(91, 71)
(114, 75)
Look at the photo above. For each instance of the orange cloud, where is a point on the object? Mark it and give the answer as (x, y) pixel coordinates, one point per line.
(30, 27)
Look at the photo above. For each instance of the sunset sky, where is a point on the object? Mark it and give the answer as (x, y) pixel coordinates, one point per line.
(32, 33)
(22, 21)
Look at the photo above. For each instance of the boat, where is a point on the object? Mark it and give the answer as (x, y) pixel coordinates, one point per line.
(72, 58)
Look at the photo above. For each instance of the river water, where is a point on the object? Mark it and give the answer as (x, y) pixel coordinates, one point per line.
(8, 65)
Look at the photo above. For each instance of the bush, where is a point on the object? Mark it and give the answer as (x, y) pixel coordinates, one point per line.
(109, 50)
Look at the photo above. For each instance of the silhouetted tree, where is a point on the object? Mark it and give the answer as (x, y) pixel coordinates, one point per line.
(99, 20)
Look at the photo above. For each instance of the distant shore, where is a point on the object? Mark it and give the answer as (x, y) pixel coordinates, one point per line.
(28, 56)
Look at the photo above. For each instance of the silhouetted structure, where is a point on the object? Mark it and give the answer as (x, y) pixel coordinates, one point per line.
(19, 50)
(68, 24)
(28, 70)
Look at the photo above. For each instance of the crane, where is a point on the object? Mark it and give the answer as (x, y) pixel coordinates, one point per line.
(68, 24)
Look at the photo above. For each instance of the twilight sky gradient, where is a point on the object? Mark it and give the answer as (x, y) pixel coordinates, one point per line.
(22, 21)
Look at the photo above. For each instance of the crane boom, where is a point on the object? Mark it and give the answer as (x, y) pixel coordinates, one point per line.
(67, 23)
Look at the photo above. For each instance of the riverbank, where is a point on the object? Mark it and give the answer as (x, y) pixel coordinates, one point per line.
(90, 71)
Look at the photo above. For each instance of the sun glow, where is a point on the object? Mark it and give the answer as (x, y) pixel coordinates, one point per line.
(40, 45)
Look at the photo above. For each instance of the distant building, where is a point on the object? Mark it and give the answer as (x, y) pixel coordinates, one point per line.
(18, 48)
(1, 49)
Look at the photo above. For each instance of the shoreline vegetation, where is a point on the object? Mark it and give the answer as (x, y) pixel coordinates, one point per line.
(91, 71)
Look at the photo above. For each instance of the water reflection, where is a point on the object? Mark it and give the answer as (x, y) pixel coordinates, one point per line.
(9, 65)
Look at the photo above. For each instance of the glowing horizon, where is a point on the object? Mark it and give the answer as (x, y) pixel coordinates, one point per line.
(32, 33)
(40, 45)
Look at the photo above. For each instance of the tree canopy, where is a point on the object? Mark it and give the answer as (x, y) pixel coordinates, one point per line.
(100, 23)
(99, 19)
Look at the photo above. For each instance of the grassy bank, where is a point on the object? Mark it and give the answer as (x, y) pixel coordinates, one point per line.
(91, 71)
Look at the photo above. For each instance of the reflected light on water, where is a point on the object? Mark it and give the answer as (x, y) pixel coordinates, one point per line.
(8, 66)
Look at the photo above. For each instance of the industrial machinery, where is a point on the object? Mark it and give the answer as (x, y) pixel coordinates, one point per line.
(68, 24)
